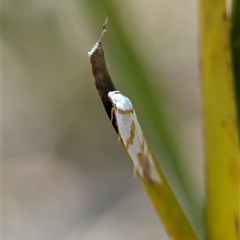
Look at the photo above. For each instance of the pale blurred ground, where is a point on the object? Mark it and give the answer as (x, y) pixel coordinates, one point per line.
(64, 176)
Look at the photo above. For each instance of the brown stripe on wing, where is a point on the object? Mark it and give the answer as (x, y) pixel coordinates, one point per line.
(132, 135)
(125, 112)
(144, 163)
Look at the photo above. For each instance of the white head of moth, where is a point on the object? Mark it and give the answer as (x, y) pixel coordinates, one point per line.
(132, 137)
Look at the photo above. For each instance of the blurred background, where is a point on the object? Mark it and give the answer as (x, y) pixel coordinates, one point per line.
(64, 174)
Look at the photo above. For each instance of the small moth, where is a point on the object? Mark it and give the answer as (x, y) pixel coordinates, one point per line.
(132, 137)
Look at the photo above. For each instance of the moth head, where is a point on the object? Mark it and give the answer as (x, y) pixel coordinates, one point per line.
(119, 101)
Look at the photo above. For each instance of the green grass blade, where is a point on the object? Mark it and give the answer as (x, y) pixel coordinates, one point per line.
(221, 138)
(168, 209)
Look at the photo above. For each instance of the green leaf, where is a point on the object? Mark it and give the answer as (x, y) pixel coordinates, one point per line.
(221, 133)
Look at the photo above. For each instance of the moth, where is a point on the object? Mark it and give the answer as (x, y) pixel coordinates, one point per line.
(131, 134)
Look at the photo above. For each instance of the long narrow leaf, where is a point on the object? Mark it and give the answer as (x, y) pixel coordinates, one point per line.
(221, 138)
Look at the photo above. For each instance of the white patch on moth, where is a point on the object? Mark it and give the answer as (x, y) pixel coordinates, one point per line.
(95, 47)
(132, 137)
